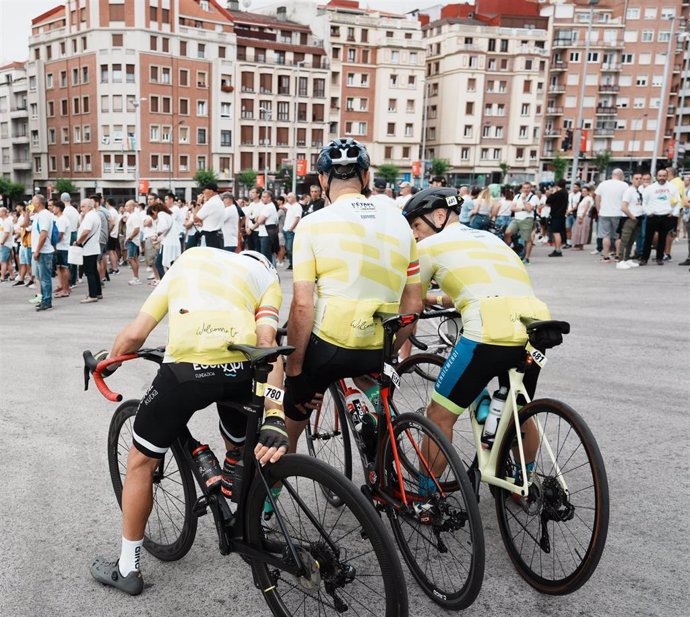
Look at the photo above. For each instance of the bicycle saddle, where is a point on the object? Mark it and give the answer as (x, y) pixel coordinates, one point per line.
(262, 355)
(545, 334)
(393, 322)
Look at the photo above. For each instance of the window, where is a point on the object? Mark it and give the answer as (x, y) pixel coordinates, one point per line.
(627, 58)
(117, 73)
(154, 162)
(411, 81)
(364, 80)
(465, 154)
(167, 105)
(392, 105)
(522, 133)
(63, 79)
(361, 128)
(520, 154)
(52, 162)
(471, 85)
(469, 108)
(184, 134)
(104, 73)
(75, 77)
(183, 48)
(64, 111)
(497, 154)
(154, 104)
(393, 80)
(184, 162)
(51, 109)
(201, 79)
(166, 134)
(527, 86)
(154, 133)
(184, 107)
(473, 62)
(593, 57)
(504, 45)
(409, 108)
(51, 136)
(641, 80)
(153, 74)
(225, 110)
(49, 80)
(117, 102)
(85, 105)
(632, 13)
(650, 13)
(390, 129)
(350, 55)
(184, 77)
(201, 51)
(165, 45)
(116, 40)
(664, 36)
(486, 131)
(201, 136)
(524, 110)
(406, 152)
(648, 36)
(484, 154)
(201, 162)
(408, 130)
(153, 43)
(117, 12)
(165, 75)
(500, 109)
(226, 139)
(65, 135)
(86, 133)
(467, 131)
(34, 110)
(65, 162)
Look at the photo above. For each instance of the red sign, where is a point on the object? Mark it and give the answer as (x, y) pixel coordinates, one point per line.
(584, 142)
(260, 180)
(671, 150)
(301, 167)
(143, 187)
(416, 168)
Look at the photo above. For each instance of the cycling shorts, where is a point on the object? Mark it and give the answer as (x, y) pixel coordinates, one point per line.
(471, 366)
(182, 388)
(325, 363)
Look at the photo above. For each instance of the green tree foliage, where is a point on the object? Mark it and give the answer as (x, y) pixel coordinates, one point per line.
(202, 176)
(247, 178)
(439, 166)
(64, 185)
(559, 166)
(388, 172)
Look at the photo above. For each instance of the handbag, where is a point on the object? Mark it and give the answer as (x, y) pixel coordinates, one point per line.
(75, 255)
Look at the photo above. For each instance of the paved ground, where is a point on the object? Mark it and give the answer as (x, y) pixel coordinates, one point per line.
(623, 367)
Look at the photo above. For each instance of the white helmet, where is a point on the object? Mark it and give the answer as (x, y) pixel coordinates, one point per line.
(260, 257)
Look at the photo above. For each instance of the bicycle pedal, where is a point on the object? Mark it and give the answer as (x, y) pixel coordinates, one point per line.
(200, 506)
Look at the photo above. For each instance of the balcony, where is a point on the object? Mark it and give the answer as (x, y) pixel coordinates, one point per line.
(604, 131)
(676, 68)
(20, 139)
(671, 110)
(609, 88)
(558, 66)
(610, 67)
(19, 112)
(603, 110)
(562, 43)
(554, 111)
(551, 134)
(22, 165)
(556, 89)
(247, 115)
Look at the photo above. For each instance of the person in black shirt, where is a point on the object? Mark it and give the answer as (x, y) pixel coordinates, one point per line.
(558, 200)
(316, 202)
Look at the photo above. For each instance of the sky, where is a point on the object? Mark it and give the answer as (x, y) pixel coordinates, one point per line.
(16, 16)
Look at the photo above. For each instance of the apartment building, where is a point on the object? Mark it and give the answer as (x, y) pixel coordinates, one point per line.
(376, 76)
(132, 91)
(15, 160)
(486, 72)
(621, 59)
(282, 74)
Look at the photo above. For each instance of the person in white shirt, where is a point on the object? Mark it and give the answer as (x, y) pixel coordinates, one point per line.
(113, 243)
(405, 194)
(574, 198)
(166, 231)
(608, 200)
(6, 244)
(251, 212)
(231, 223)
(133, 239)
(267, 216)
(293, 216)
(177, 216)
(88, 237)
(42, 250)
(378, 193)
(74, 219)
(632, 209)
(210, 217)
(61, 248)
(525, 204)
(658, 201)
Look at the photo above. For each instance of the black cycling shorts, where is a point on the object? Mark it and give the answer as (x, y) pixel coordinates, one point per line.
(179, 390)
(325, 363)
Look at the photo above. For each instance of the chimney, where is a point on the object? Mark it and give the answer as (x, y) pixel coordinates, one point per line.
(281, 13)
(233, 5)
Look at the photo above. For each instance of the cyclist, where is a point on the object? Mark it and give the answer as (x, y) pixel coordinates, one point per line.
(360, 258)
(488, 285)
(213, 298)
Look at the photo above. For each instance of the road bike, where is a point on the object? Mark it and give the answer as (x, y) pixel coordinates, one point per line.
(434, 515)
(554, 517)
(438, 330)
(309, 558)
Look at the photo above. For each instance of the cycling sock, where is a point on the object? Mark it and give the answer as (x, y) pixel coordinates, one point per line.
(130, 555)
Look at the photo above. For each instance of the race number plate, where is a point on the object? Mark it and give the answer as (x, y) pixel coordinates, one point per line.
(537, 356)
(274, 394)
(392, 373)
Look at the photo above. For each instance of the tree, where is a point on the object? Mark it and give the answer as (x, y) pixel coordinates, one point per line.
(64, 185)
(247, 178)
(14, 191)
(504, 170)
(439, 166)
(602, 160)
(388, 172)
(559, 165)
(202, 176)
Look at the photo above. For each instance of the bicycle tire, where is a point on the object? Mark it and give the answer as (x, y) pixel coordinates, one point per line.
(331, 446)
(446, 511)
(418, 375)
(173, 498)
(368, 542)
(545, 496)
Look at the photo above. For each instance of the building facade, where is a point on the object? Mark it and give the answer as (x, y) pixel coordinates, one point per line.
(15, 137)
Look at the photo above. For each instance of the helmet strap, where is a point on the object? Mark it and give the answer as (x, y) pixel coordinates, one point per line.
(432, 225)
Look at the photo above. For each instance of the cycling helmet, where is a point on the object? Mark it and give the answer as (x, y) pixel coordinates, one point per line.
(428, 200)
(261, 258)
(343, 158)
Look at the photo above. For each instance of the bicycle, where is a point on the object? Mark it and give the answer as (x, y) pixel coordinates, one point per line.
(440, 332)
(563, 502)
(309, 556)
(434, 516)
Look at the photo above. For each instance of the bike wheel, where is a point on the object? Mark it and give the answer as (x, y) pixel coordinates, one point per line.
(555, 537)
(328, 436)
(418, 375)
(440, 535)
(171, 527)
(439, 334)
(351, 561)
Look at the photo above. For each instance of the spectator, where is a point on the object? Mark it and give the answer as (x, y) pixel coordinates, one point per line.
(281, 229)
(316, 201)
(6, 244)
(251, 213)
(677, 207)
(193, 232)
(685, 217)
(88, 237)
(293, 216)
(438, 181)
(501, 212)
(632, 209)
(210, 216)
(61, 248)
(23, 233)
(583, 220)
(267, 216)
(574, 198)
(106, 226)
(608, 200)
(113, 243)
(558, 201)
(657, 201)
(467, 205)
(133, 227)
(42, 250)
(378, 193)
(231, 223)
(168, 239)
(74, 219)
(480, 217)
(524, 207)
(405, 194)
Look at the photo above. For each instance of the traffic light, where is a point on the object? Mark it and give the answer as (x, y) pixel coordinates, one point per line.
(567, 143)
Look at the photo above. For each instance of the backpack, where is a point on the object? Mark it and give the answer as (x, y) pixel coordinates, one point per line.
(54, 234)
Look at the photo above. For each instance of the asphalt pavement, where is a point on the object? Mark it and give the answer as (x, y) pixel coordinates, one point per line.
(624, 367)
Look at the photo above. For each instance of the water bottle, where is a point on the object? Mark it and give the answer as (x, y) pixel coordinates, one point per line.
(208, 466)
(483, 406)
(233, 469)
(498, 401)
(355, 406)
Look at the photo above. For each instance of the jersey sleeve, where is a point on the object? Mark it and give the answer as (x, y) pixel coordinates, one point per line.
(426, 269)
(413, 267)
(303, 259)
(156, 304)
(269, 306)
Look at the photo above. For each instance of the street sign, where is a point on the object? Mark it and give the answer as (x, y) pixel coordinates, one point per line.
(407, 176)
(416, 168)
(143, 187)
(260, 180)
(301, 167)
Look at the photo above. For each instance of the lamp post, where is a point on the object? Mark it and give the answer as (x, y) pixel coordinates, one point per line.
(662, 101)
(425, 119)
(294, 130)
(136, 104)
(172, 152)
(633, 143)
(267, 116)
(579, 124)
(683, 38)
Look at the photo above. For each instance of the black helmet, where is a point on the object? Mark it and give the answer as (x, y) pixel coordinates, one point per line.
(430, 199)
(343, 158)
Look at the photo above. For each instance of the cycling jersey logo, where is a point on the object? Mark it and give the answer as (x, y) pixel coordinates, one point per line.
(229, 369)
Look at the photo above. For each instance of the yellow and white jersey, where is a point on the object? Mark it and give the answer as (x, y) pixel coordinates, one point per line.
(361, 255)
(213, 298)
(486, 281)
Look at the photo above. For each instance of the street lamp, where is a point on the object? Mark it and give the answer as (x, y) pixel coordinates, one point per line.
(172, 152)
(267, 116)
(136, 104)
(425, 119)
(662, 100)
(579, 125)
(294, 130)
(633, 143)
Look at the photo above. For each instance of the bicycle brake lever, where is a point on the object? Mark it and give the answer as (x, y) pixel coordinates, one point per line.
(87, 374)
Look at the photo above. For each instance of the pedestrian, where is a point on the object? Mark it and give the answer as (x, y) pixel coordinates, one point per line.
(480, 217)
(113, 243)
(23, 232)
(583, 220)
(210, 216)
(467, 205)
(632, 209)
(6, 244)
(378, 193)
(405, 194)
(685, 217)
(657, 200)
(282, 208)
(42, 250)
(74, 219)
(558, 201)
(61, 249)
(675, 213)
(524, 208)
(293, 216)
(133, 227)
(574, 198)
(231, 223)
(608, 200)
(316, 202)
(501, 212)
(267, 215)
(106, 226)
(88, 238)
(193, 231)
(168, 240)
